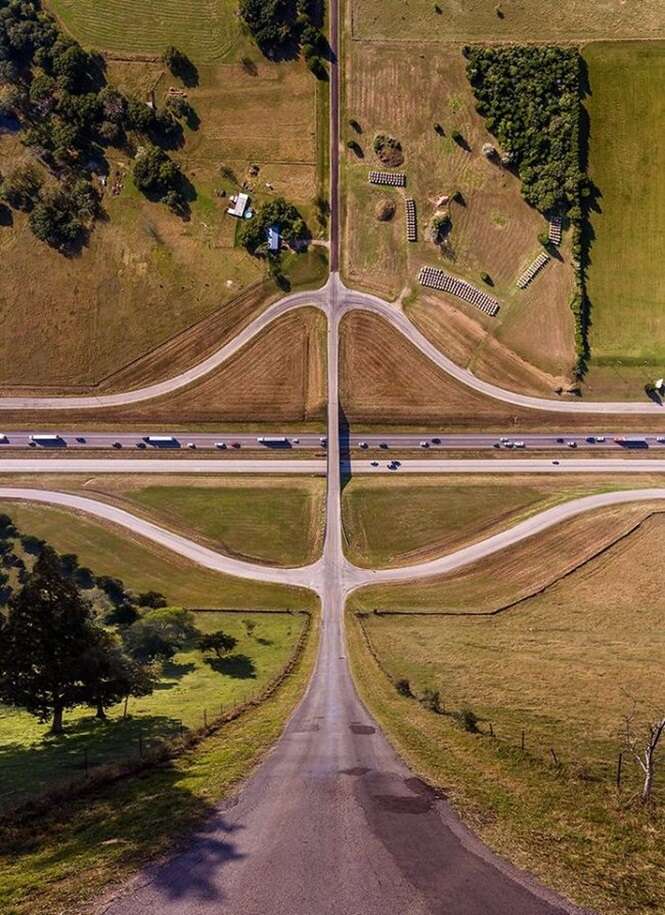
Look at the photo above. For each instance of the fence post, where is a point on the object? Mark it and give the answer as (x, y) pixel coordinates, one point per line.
(491, 730)
(554, 757)
(205, 718)
(619, 772)
(522, 740)
(124, 711)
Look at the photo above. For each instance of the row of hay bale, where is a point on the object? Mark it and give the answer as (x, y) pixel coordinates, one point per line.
(391, 179)
(554, 233)
(411, 225)
(444, 282)
(531, 271)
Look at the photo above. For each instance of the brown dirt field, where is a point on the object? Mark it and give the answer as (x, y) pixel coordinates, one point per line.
(515, 573)
(395, 89)
(280, 376)
(385, 381)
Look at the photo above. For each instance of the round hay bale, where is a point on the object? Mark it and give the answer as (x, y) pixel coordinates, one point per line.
(385, 210)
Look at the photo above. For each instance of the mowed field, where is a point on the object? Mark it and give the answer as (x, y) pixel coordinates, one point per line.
(277, 521)
(191, 682)
(146, 277)
(144, 566)
(385, 381)
(393, 88)
(210, 30)
(399, 521)
(626, 107)
(565, 667)
(508, 20)
(278, 377)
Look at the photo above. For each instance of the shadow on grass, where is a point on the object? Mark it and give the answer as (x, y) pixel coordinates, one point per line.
(239, 666)
(127, 823)
(27, 770)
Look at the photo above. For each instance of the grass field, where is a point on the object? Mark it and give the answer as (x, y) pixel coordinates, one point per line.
(278, 377)
(31, 761)
(386, 382)
(144, 566)
(147, 276)
(276, 521)
(391, 89)
(59, 864)
(511, 574)
(400, 521)
(519, 20)
(564, 667)
(208, 30)
(626, 108)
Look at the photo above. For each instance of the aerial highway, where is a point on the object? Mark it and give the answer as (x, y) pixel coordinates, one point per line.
(276, 441)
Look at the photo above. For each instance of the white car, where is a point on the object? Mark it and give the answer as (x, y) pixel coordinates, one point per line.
(520, 445)
(191, 445)
(572, 444)
(363, 444)
(220, 444)
(424, 444)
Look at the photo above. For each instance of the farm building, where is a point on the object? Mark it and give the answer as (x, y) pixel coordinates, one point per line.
(240, 204)
(273, 238)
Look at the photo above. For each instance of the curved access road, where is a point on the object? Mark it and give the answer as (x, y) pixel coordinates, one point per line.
(315, 299)
(305, 576)
(345, 300)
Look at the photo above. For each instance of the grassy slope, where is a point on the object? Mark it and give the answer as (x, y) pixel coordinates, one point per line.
(31, 761)
(272, 521)
(144, 566)
(56, 865)
(564, 667)
(627, 108)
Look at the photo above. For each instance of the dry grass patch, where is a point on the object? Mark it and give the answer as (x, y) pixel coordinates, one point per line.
(387, 382)
(514, 573)
(394, 90)
(563, 667)
(278, 377)
(420, 21)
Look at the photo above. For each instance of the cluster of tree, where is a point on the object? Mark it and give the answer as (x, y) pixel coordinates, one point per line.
(68, 115)
(253, 233)
(53, 653)
(530, 99)
(280, 27)
(158, 177)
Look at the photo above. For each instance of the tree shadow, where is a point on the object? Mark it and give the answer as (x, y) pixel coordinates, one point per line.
(262, 641)
(238, 666)
(174, 671)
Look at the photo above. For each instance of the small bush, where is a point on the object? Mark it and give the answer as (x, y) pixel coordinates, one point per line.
(403, 687)
(467, 720)
(431, 699)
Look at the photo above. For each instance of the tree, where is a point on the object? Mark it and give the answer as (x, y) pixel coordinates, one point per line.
(21, 186)
(643, 748)
(159, 634)
(180, 65)
(110, 675)
(44, 640)
(151, 599)
(53, 221)
(218, 641)
(252, 233)
(155, 173)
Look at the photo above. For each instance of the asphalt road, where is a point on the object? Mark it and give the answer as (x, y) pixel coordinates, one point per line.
(432, 441)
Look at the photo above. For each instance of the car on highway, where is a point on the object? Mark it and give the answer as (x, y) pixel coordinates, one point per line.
(572, 444)
(383, 444)
(190, 445)
(141, 445)
(117, 444)
(424, 444)
(520, 445)
(363, 445)
(221, 445)
(236, 445)
(436, 441)
(80, 439)
(374, 463)
(661, 439)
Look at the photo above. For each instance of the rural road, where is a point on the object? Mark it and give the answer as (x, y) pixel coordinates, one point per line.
(332, 822)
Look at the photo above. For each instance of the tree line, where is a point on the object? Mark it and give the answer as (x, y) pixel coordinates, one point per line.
(281, 28)
(57, 651)
(68, 116)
